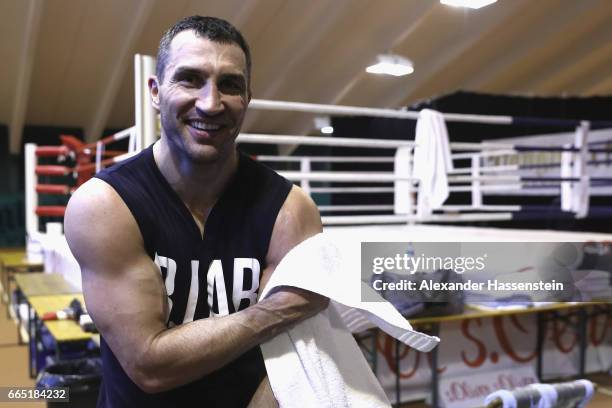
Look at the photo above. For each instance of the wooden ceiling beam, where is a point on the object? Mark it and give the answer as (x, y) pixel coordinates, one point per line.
(93, 131)
(539, 36)
(590, 81)
(441, 73)
(24, 73)
(578, 66)
(603, 87)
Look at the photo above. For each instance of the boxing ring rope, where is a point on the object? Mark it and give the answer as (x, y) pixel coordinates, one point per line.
(479, 178)
(263, 104)
(305, 176)
(413, 219)
(324, 159)
(457, 176)
(82, 154)
(354, 142)
(482, 179)
(340, 110)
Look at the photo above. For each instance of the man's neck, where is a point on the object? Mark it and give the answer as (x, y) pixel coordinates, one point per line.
(199, 185)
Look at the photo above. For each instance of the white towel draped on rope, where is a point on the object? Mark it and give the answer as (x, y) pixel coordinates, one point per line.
(432, 161)
(317, 363)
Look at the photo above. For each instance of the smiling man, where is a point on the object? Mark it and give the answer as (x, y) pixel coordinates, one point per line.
(175, 243)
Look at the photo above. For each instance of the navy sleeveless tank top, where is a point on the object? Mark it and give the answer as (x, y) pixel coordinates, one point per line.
(214, 274)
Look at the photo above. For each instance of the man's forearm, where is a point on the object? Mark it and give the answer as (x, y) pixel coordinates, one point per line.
(187, 352)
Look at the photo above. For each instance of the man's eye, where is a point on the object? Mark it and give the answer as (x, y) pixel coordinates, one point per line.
(232, 86)
(189, 79)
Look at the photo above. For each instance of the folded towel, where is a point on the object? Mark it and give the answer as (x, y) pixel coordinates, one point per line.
(317, 363)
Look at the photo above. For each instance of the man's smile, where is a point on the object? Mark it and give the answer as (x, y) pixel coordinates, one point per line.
(201, 125)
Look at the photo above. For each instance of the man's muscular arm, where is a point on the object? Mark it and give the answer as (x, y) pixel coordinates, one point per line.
(298, 220)
(126, 297)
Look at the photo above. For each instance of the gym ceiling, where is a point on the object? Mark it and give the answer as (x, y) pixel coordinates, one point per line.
(70, 62)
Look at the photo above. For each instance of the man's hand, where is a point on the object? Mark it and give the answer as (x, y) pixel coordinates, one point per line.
(297, 220)
(294, 304)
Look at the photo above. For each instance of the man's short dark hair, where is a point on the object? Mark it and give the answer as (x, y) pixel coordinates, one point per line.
(212, 28)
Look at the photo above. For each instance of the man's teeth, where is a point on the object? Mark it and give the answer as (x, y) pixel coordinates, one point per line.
(203, 126)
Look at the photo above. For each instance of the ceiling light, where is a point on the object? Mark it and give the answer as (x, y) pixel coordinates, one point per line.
(328, 130)
(473, 4)
(391, 64)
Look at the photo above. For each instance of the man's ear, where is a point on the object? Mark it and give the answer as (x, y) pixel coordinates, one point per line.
(154, 91)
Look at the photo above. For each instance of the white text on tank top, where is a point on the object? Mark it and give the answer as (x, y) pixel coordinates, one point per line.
(215, 284)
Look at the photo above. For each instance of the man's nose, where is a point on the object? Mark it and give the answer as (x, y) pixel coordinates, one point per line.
(209, 100)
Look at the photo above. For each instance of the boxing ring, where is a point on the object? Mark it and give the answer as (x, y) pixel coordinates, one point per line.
(487, 169)
(478, 171)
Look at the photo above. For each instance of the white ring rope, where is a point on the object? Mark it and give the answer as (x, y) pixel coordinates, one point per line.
(373, 207)
(354, 177)
(490, 207)
(352, 189)
(487, 169)
(386, 177)
(374, 159)
(322, 141)
(487, 188)
(262, 104)
(355, 142)
(491, 153)
(398, 219)
(123, 134)
(450, 208)
(327, 159)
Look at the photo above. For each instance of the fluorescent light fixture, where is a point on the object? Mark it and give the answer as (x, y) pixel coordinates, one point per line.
(391, 64)
(323, 123)
(473, 4)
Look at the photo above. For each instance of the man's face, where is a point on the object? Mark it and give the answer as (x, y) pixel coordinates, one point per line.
(203, 97)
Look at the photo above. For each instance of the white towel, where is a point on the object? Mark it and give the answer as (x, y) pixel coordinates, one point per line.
(432, 161)
(317, 363)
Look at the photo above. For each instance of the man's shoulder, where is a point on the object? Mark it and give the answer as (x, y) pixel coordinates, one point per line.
(299, 210)
(125, 167)
(254, 169)
(262, 187)
(135, 180)
(95, 196)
